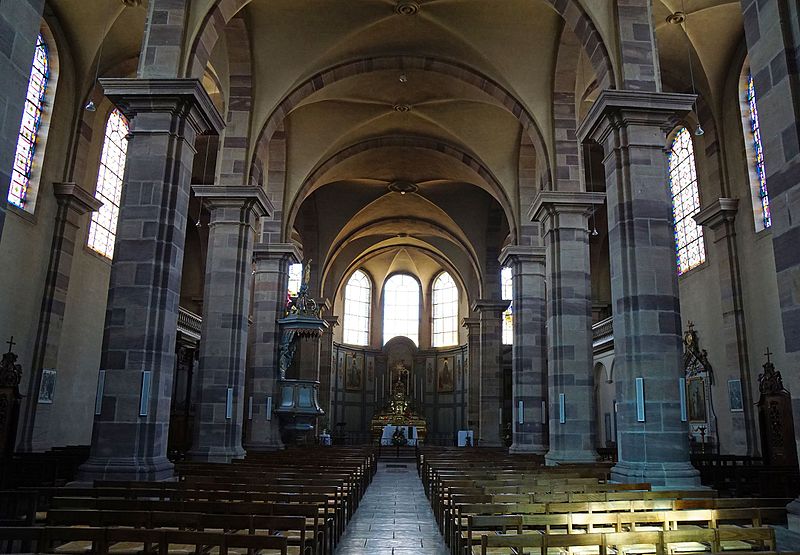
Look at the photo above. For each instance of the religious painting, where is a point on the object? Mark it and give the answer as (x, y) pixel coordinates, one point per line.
(47, 388)
(696, 399)
(735, 395)
(444, 382)
(353, 373)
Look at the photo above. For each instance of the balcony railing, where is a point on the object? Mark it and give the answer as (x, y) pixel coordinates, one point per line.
(189, 323)
(603, 334)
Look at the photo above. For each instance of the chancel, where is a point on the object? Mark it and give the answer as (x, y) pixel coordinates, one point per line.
(317, 277)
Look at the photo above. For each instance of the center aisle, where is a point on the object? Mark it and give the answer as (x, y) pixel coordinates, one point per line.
(394, 516)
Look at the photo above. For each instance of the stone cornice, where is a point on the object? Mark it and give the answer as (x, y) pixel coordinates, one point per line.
(643, 107)
(721, 211)
(467, 322)
(265, 251)
(133, 96)
(490, 305)
(512, 253)
(581, 202)
(77, 197)
(236, 194)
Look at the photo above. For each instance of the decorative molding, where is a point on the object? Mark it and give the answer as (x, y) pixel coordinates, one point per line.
(547, 202)
(266, 251)
(514, 253)
(490, 305)
(77, 197)
(236, 193)
(723, 210)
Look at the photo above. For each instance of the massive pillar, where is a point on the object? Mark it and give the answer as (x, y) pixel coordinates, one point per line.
(491, 380)
(219, 412)
(528, 351)
(129, 439)
(73, 203)
(564, 218)
(653, 440)
(473, 370)
(720, 217)
(271, 280)
(20, 23)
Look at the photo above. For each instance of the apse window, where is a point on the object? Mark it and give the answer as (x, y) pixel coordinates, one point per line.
(691, 251)
(20, 193)
(445, 311)
(755, 152)
(507, 293)
(401, 308)
(103, 227)
(357, 297)
(295, 279)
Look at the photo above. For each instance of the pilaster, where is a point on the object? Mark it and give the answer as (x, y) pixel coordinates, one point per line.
(326, 365)
(270, 282)
(129, 439)
(528, 351)
(491, 380)
(653, 440)
(220, 403)
(564, 218)
(473, 370)
(73, 203)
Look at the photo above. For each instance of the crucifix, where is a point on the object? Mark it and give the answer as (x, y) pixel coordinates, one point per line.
(10, 343)
(767, 354)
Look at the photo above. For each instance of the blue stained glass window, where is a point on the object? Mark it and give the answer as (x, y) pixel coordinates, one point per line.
(758, 149)
(22, 170)
(691, 250)
(508, 315)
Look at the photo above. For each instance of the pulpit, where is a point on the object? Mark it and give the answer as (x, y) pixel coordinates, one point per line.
(398, 412)
(10, 376)
(778, 445)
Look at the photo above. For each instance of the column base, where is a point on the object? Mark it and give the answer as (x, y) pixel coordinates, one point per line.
(155, 469)
(216, 454)
(527, 449)
(677, 475)
(555, 457)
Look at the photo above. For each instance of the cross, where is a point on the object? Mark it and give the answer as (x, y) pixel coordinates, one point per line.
(691, 325)
(768, 354)
(10, 343)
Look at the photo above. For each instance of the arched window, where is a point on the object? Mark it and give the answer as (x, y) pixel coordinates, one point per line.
(401, 308)
(19, 194)
(357, 296)
(103, 228)
(445, 311)
(295, 279)
(689, 244)
(755, 151)
(508, 320)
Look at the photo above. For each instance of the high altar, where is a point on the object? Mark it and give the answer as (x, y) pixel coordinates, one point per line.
(399, 410)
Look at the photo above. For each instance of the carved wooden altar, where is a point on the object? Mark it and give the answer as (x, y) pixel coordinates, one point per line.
(398, 412)
(775, 419)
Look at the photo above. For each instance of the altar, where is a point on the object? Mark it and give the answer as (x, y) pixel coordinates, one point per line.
(411, 433)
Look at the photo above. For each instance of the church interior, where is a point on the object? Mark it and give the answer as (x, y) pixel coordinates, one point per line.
(395, 276)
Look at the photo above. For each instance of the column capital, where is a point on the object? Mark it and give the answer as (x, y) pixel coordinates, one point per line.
(490, 305)
(620, 108)
(518, 253)
(332, 321)
(224, 196)
(469, 322)
(719, 216)
(141, 96)
(549, 203)
(76, 197)
(272, 251)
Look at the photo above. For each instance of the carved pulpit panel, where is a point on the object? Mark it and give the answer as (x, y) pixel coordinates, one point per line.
(10, 377)
(775, 418)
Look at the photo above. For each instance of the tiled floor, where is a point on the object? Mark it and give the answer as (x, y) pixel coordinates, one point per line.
(394, 517)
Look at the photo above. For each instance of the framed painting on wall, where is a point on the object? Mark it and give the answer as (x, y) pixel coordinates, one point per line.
(735, 395)
(353, 373)
(696, 399)
(445, 377)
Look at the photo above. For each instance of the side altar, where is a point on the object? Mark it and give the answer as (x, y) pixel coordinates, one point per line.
(399, 412)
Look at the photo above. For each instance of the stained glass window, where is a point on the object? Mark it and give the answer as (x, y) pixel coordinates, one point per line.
(22, 170)
(357, 296)
(758, 151)
(445, 311)
(103, 228)
(295, 279)
(691, 250)
(401, 308)
(508, 320)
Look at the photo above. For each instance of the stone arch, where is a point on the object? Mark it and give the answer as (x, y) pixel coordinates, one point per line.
(567, 154)
(571, 11)
(427, 143)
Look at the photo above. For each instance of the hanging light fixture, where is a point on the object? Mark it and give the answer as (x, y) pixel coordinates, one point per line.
(587, 156)
(90, 106)
(682, 18)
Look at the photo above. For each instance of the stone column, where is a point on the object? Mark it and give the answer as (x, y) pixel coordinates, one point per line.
(653, 441)
(473, 326)
(269, 302)
(326, 367)
(719, 217)
(564, 217)
(20, 22)
(73, 203)
(528, 352)
(129, 439)
(220, 403)
(491, 380)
